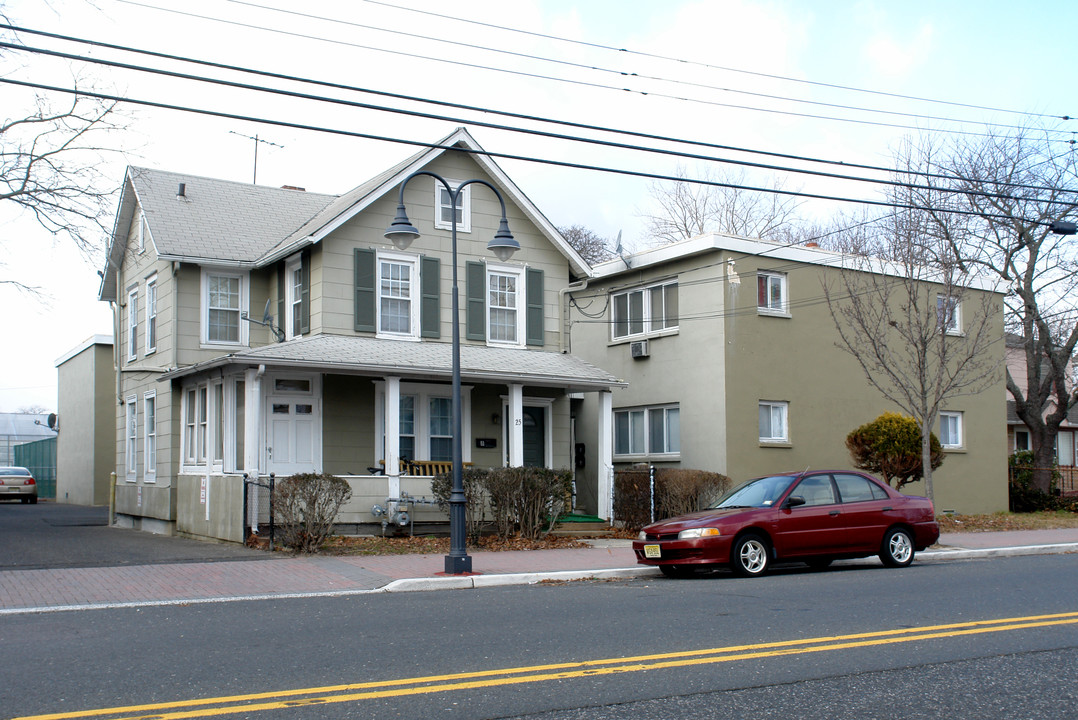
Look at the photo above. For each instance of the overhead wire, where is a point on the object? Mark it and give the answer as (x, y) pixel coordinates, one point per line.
(559, 136)
(611, 71)
(683, 61)
(334, 85)
(540, 76)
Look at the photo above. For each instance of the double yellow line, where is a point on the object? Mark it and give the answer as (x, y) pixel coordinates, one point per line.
(353, 692)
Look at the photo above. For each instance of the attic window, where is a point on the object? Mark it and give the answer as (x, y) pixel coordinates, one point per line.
(443, 211)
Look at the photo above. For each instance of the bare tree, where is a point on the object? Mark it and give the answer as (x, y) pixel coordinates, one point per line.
(686, 208)
(592, 248)
(1014, 187)
(50, 166)
(917, 326)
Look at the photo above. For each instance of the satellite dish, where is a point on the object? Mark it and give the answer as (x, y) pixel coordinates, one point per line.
(52, 421)
(620, 250)
(266, 317)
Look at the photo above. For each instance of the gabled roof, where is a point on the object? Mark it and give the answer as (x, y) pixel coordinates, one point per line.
(419, 361)
(220, 221)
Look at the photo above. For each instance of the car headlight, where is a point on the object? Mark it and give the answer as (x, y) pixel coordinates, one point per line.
(698, 533)
(642, 535)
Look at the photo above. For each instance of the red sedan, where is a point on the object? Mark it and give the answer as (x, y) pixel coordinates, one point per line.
(812, 517)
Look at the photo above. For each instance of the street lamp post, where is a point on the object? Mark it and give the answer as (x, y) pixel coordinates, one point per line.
(401, 233)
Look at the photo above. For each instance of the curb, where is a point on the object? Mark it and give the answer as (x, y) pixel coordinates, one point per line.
(481, 581)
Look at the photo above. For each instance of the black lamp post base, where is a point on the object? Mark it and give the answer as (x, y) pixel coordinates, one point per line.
(458, 565)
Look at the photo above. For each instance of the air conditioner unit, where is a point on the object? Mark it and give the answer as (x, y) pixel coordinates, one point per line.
(638, 349)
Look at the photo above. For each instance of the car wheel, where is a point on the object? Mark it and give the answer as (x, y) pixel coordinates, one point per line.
(897, 549)
(751, 556)
(819, 563)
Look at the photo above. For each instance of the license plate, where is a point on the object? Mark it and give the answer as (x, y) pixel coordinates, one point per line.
(651, 551)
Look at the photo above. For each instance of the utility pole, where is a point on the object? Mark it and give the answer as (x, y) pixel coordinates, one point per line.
(254, 179)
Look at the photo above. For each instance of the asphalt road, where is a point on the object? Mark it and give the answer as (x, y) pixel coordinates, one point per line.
(56, 535)
(967, 639)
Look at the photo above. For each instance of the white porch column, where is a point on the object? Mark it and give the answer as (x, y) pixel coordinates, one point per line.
(605, 455)
(392, 424)
(253, 420)
(516, 425)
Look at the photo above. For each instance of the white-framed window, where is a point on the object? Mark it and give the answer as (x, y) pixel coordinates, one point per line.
(951, 429)
(202, 423)
(151, 314)
(645, 310)
(293, 280)
(224, 300)
(149, 421)
(443, 210)
(654, 430)
(398, 300)
(1021, 440)
(426, 421)
(190, 415)
(771, 293)
(505, 312)
(949, 314)
(141, 230)
(774, 421)
(132, 323)
(207, 433)
(131, 446)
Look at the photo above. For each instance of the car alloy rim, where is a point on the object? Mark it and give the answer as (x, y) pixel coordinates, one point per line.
(900, 547)
(753, 556)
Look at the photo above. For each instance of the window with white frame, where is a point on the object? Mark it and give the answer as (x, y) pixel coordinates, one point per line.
(208, 434)
(151, 314)
(646, 310)
(774, 421)
(140, 230)
(131, 449)
(190, 450)
(504, 313)
(1021, 440)
(293, 274)
(951, 429)
(132, 323)
(398, 306)
(652, 430)
(426, 431)
(949, 314)
(771, 292)
(202, 408)
(149, 421)
(224, 300)
(444, 210)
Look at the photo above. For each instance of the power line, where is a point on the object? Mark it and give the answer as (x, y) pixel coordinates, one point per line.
(539, 76)
(504, 156)
(611, 71)
(380, 108)
(718, 67)
(473, 109)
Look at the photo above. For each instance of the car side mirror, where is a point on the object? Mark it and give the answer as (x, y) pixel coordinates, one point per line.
(795, 501)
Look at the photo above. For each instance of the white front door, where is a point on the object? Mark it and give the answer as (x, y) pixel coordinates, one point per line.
(293, 427)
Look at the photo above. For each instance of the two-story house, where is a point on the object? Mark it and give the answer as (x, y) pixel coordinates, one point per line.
(731, 355)
(203, 273)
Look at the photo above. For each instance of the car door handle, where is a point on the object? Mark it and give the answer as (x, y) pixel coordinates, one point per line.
(833, 512)
(887, 509)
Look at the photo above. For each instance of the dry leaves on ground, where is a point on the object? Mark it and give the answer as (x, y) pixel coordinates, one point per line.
(1007, 521)
(428, 544)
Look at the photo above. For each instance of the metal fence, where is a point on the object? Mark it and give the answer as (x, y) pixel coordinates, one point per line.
(258, 520)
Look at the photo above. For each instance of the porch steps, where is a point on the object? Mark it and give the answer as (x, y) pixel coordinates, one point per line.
(581, 526)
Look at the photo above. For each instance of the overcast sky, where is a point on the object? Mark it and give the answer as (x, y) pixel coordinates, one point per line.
(743, 74)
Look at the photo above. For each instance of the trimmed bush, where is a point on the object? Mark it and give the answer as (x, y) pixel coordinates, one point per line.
(890, 446)
(305, 507)
(522, 500)
(475, 491)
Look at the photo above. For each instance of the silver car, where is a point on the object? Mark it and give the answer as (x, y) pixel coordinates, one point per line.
(17, 482)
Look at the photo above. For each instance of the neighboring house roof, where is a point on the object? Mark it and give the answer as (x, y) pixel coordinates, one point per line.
(367, 355)
(234, 223)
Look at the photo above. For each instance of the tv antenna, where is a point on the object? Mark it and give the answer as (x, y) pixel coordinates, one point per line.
(254, 179)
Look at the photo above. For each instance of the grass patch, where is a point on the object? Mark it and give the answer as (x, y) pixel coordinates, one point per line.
(1008, 521)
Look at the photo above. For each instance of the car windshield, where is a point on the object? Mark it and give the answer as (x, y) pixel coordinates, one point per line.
(762, 492)
(14, 471)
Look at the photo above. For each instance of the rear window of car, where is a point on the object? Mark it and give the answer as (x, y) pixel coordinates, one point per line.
(14, 471)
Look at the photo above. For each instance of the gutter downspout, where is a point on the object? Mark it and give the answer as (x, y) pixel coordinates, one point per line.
(562, 293)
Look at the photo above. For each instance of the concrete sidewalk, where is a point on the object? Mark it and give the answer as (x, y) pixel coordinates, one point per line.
(66, 589)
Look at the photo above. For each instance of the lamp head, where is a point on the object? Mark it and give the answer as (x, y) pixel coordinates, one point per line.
(1063, 227)
(401, 232)
(504, 244)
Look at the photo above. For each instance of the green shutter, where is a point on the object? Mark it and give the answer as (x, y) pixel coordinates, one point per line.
(364, 281)
(305, 293)
(430, 283)
(534, 317)
(475, 311)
